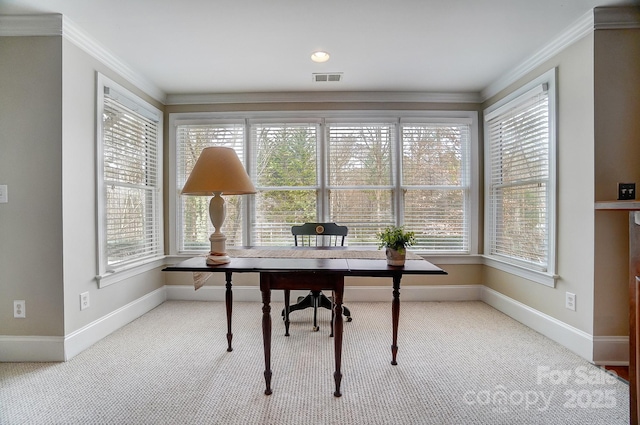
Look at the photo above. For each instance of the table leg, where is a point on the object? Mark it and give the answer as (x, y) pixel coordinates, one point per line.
(229, 303)
(337, 333)
(333, 314)
(266, 333)
(287, 298)
(395, 315)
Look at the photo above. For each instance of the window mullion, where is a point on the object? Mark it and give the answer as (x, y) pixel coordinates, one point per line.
(398, 193)
(323, 170)
(249, 201)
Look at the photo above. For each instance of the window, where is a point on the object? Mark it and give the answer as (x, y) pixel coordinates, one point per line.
(129, 180)
(436, 183)
(366, 173)
(195, 226)
(361, 178)
(520, 178)
(285, 173)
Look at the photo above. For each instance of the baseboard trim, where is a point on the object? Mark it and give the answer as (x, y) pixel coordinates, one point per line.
(611, 350)
(601, 350)
(31, 348)
(573, 338)
(83, 338)
(58, 348)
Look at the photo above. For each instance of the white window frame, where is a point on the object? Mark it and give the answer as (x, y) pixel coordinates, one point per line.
(252, 161)
(548, 276)
(176, 232)
(437, 116)
(393, 185)
(107, 275)
(470, 175)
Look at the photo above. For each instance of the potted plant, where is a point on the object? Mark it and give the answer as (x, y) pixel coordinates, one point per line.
(396, 240)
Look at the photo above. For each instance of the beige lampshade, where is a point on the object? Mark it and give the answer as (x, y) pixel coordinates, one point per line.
(218, 169)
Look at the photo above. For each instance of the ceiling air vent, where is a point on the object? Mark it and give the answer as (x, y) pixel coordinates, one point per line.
(331, 77)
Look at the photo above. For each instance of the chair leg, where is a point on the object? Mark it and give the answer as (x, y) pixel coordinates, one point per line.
(327, 303)
(347, 313)
(316, 303)
(314, 299)
(303, 303)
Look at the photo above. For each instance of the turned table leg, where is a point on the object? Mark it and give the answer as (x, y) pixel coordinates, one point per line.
(266, 331)
(395, 315)
(229, 303)
(337, 331)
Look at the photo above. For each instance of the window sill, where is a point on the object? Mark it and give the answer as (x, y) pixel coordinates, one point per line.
(118, 275)
(452, 258)
(533, 275)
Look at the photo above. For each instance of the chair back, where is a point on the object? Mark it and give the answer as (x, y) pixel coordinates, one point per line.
(319, 234)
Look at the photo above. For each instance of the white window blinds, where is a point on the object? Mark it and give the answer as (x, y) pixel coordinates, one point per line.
(364, 172)
(193, 211)
(131, 204)
(519, 179)
(436, 183)
(361, 178)
(285, 170)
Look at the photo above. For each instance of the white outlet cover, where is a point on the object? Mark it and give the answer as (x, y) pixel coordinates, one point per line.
(84, 301)
(19, 309)
(570, 301)
(4, 196)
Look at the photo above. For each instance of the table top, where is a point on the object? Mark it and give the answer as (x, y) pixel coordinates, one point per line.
(352, 266)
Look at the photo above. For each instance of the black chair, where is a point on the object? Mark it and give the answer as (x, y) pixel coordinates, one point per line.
(316, 234)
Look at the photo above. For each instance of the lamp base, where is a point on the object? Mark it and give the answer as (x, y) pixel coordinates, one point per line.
(214, 259)
(218, 253)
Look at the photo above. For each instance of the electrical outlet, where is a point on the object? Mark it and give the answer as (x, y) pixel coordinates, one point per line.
(570, 301)
(4, 196)
(84, 300)
(19, 309)
(626, 191)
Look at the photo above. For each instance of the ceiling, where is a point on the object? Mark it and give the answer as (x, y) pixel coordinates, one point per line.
(246, 46)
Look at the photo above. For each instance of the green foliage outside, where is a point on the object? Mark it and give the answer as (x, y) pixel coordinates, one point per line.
(286, 168)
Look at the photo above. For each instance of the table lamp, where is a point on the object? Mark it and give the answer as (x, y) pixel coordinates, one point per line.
(217, 172)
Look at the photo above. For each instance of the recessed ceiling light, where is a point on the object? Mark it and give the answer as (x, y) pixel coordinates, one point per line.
(320, 56)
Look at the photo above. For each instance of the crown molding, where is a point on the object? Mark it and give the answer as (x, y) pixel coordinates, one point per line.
(77, 36)
(600, 18)
(320, 97)
(582, 27)
(615, 18)
(59, 25)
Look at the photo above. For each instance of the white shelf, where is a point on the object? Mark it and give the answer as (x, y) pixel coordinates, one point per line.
(632, 205)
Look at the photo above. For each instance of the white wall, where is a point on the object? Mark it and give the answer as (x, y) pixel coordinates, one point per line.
(79, 195)
(31, 236)
(575, 194)
(48, 244)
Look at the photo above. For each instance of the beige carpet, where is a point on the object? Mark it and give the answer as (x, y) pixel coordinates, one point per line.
(459, 363)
